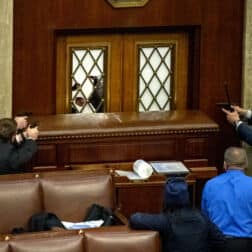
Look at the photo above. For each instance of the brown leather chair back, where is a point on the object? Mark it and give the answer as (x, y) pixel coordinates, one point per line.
(69, 243)
(137, 241)
(105, 239)
(70, 196)
(19, 199)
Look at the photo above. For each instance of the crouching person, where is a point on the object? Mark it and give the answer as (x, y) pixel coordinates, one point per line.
(181, 227)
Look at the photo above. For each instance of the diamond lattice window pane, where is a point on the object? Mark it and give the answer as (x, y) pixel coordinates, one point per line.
(88, 62)
(154, 86)
(87, 88)
(79, 75)
(162, 98)
(147, 72)
(88, 79)
(162, 73)
(155, 77)
(167, 84)
(154, 107)
(155, 59)
(146, 100)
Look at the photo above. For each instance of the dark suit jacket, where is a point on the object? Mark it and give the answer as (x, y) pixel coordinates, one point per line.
(245, 133)
(12, 157)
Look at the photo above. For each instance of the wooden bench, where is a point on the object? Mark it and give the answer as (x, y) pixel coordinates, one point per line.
(68, 194)
(104, 239)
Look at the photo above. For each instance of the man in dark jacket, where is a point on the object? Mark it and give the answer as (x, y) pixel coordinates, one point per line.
(12, 156)
(238, 118)
(181, 227)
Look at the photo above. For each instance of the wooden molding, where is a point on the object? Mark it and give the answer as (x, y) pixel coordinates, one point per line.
(124, 133)
(127, 3)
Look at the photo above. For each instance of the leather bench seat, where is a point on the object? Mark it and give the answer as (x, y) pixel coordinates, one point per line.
(104, 239)
(68, 194)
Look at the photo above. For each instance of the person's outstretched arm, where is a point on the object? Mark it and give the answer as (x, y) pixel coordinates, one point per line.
(157, 222)
(243, 130)
(245, 133)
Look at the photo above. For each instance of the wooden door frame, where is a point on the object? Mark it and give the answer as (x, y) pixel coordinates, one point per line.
(64, 44)
(122, 55)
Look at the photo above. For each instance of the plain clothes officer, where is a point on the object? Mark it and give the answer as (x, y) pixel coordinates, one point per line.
(11, 155)
(240, 118)
(227, 201)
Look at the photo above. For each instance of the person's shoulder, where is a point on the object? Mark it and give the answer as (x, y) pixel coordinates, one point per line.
(248, 180)
(194, 214)
(6, 146)
(215, 180)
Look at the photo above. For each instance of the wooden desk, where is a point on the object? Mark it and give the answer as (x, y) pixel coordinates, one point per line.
(144, 196)
(147, 196)
(65, 140)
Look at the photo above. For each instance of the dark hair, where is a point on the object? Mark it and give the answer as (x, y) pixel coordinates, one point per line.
(23, 113)
(8, 128)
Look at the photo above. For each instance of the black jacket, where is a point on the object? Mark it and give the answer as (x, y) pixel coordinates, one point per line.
(183, 230)
(12, 157)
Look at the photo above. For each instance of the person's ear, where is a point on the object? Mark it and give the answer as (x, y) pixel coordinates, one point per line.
(225, 166)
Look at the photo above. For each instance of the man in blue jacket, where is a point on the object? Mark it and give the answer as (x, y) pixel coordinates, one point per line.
(181, 227)
(237, 118)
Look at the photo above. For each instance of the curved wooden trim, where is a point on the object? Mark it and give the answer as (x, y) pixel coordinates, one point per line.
(127, 3)
(128, 132)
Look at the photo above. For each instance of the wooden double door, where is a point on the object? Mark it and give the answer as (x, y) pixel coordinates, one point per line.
(122, 69)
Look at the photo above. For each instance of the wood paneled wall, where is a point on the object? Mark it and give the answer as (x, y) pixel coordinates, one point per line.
(217, 34)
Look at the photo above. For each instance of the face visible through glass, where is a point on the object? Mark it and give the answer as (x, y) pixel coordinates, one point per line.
(80, 101)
